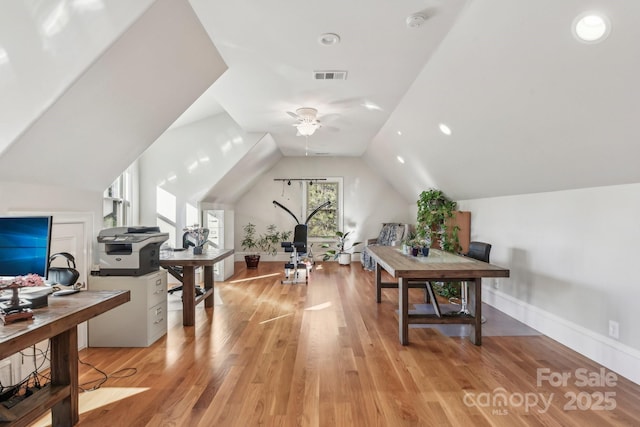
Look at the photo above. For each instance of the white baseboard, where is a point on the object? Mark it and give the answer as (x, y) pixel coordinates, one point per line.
(610, 353)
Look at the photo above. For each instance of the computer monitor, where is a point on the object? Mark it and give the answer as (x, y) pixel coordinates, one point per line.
(25, 243)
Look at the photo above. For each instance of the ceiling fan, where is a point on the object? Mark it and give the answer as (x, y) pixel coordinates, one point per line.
(307, 119)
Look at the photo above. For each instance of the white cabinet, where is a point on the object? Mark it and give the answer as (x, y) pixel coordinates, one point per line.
(138, 323)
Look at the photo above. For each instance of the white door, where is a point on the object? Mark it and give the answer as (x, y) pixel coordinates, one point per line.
(69, 237)
(65, 237)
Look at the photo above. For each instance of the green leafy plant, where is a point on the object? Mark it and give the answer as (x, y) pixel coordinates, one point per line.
(250, 239)
(341, 246)
(269, 242)
(435, 212)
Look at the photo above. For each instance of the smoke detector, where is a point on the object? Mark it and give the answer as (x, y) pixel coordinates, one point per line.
(416, 20)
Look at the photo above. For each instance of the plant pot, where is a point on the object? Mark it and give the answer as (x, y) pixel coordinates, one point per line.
(344, 259)
(252, 260)
(425, 251)
(414, 251)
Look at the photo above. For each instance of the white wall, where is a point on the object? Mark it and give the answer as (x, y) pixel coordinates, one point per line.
(368, 200)
(19, 197)
(187, 161)
(573, 268)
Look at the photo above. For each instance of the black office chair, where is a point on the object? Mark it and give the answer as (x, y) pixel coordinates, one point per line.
(176, 271)
(481, 252)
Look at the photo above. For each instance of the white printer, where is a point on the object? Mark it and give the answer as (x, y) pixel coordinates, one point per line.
(130, 251)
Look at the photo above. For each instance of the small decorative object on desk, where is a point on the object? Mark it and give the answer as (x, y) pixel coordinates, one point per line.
(197, 237)
(15, 308)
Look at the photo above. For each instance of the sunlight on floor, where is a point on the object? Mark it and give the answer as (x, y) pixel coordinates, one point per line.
(248, 279)
(89, 401)
(319, 306)
(275, 318)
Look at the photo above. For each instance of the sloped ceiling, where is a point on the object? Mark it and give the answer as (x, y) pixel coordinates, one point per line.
(235, 183)
(120, 104)
(531, 108)
(272, 49)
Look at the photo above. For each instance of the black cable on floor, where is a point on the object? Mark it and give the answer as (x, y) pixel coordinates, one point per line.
(105, 376)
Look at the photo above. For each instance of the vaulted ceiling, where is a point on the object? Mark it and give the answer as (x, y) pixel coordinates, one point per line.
(530, 107)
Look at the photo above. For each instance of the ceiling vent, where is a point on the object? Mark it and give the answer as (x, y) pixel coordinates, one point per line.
(330, 75)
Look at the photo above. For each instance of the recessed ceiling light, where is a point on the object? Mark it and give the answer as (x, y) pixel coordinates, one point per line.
(591, 27)
(399, 132)
(444, 129)
(371, 106)
(400, 159)
(4, 56)
(328, 39)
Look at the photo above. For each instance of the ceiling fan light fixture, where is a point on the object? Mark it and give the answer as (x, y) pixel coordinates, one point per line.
(307, 128)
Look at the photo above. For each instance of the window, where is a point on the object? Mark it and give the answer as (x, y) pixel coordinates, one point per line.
(191, 215)
(166, 213)
(328, 220)
(116, 202)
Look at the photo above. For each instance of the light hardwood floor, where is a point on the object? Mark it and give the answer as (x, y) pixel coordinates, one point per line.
(327, 355)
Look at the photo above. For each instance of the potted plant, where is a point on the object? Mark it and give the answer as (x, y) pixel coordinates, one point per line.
(250, 244)
(435, 212)
(343, 250)
(266, 243)
(269, 242)
(407, 242)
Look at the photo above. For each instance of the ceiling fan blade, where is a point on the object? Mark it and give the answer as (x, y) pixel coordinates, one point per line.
(294, 115)
(328, 118)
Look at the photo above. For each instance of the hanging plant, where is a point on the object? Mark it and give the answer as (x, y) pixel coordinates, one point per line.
(435, 211)
(434, 219)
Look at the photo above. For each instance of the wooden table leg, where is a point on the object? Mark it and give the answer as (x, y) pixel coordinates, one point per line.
(208, 284)
(188, 295)
(475, 308)
(403, 311)
(378, 283)
(64, 370)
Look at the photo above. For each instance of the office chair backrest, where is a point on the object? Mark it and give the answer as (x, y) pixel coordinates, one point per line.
(479, 251)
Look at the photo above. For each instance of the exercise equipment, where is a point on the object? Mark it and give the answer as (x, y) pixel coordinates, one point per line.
(298, 248)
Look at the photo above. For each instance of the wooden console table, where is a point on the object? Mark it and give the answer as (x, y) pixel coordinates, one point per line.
(439, 266)
(57, 322)
(189, 262)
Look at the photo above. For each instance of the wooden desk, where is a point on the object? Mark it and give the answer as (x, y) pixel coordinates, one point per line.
(58, 322)
(189, 262)
(438, 266)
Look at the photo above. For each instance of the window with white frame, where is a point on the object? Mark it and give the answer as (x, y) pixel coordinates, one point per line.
(324, 223)
(117, 201)
(166, 213)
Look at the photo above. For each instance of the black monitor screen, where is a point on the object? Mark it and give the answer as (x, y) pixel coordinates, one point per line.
(24, 245)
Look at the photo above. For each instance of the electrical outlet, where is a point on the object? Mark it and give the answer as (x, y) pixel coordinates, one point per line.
(614, 329)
